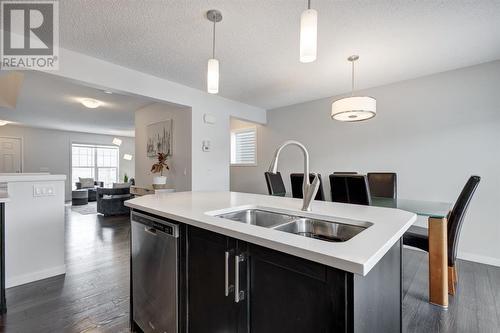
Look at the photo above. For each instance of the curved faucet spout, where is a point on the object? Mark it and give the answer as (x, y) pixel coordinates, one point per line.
(308, 190)
(274, 164)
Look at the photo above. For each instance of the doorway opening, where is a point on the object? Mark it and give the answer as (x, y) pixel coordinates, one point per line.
(11, 155)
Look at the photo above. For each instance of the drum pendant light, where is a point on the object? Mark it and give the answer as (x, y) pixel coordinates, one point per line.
(354, 108)
(214, 16)
(308, 34)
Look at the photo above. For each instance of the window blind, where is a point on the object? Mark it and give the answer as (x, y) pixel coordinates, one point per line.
(245, 146)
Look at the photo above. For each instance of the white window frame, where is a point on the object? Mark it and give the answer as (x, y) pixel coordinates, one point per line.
(96, 168)
(233, 145)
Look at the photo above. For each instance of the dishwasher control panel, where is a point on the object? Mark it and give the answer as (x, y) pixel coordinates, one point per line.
(156, 223)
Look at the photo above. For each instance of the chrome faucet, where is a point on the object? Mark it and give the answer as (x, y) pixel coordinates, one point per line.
(308, 190)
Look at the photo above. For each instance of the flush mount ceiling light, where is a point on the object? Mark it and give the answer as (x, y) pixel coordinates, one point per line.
(214, 16)
(117, 141)
(354, 108)
(308, 34)
(127, 157)
(90, 103)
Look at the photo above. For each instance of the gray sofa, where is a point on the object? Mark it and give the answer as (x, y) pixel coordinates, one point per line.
(110, 201)
(92, 191)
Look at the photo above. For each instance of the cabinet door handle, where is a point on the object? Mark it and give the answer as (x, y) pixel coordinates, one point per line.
(226, 274)
(151, 231)
(239, 295)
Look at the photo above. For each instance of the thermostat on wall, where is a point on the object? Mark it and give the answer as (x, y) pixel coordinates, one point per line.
(209, 118)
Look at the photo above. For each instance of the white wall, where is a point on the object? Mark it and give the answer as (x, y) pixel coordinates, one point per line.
(47, 150)
(34, 230)
(179, 175)
(434, 132)
(210, 170)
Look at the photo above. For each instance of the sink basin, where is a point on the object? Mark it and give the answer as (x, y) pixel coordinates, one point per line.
(303, 226)
(323, 230)
(258, 217)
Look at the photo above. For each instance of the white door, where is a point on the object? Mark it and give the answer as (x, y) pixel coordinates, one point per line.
(10, 155)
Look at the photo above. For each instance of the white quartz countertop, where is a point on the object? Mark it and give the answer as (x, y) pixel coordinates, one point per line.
(357, 255)
(8, 178)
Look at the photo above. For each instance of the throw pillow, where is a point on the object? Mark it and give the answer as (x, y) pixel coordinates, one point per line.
(87, 182)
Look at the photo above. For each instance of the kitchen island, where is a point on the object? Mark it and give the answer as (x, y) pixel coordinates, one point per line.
(242, 277)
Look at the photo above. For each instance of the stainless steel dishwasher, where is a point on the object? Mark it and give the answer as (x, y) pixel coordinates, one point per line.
(154, 273)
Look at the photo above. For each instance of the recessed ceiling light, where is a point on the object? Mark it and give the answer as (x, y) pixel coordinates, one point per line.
(90, 103)
(3, 122)
(108, 92)
(117, 141)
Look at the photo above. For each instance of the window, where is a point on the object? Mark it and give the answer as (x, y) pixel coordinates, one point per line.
(244, 146)
(92, 161)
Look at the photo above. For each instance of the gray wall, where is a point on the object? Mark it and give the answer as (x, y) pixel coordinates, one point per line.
(239, 175)
(47, 150)
(434, 131)
(179, 176)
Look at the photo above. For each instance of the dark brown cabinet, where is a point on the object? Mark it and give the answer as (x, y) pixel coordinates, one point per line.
(278, 292)
(216, 272)
(3, 302)
(290, 294)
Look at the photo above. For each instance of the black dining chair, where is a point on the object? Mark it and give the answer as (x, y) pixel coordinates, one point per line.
(275, 185)
(383, 184)
(350, 188)
(297, 180)
(418, 237)
(345, 173)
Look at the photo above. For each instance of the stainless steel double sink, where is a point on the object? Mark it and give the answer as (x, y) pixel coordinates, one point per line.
(304, 226)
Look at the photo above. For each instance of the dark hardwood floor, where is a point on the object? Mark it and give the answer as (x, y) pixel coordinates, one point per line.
(474, 308)
(93, 296)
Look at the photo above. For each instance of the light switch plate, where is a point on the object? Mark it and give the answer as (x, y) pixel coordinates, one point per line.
(43, 190)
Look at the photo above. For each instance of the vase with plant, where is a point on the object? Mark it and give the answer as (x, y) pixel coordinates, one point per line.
(125, 178)
(159, 167)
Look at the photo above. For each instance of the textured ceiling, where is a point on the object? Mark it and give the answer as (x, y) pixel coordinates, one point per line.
(48, 101)
(258, 42)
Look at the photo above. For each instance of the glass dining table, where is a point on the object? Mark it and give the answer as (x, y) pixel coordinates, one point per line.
(437, 217)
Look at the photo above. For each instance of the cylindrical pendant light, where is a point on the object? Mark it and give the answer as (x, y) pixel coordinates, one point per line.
(354, 108)
(213, 76)
(214, 16)
(308, 34)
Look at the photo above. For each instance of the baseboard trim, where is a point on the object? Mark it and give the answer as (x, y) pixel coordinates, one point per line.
(479, 259)
(34, 276)
(469, 257)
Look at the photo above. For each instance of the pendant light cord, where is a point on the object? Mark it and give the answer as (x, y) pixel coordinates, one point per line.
(308, 4)
(213, 44)
(352, 82)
